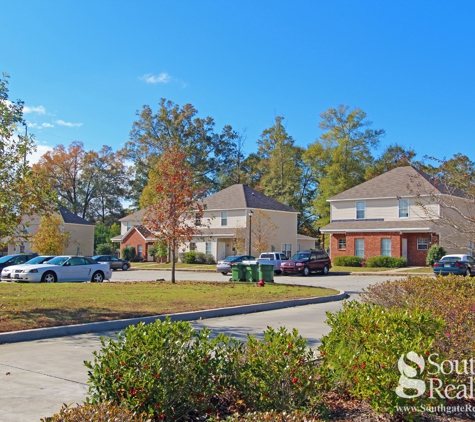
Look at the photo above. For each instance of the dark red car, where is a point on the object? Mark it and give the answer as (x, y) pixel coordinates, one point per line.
(306, 262)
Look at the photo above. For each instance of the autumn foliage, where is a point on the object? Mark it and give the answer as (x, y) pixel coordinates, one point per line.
(172, 201)
(50, 238)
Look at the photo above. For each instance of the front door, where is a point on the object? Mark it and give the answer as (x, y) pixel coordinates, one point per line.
(404, 248)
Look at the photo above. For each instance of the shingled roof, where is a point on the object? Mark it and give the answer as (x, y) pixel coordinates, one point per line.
(71, 218)
(242, 196)
(398, 182)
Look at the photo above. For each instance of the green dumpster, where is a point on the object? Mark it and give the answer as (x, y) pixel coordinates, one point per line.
(239, 272)
(266, 272)
(252, 272)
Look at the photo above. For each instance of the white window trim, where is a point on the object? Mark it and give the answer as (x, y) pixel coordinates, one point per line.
(399, 208)
(364, 210)
(390, 246)
(356, 251)
(224, 218)
(341, 239)
(425, 242)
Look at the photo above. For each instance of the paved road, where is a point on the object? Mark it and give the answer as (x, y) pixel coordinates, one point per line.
(37, 377)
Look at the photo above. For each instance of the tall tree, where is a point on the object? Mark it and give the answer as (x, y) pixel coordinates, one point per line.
(340, 157)
(171, 126)
(393, 156)
(285, 175)
(173, 203)
(89, 183)
(21, 192)
(50, 237)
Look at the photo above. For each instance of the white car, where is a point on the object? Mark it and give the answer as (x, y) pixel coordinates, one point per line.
(65, 268)
(8, 272)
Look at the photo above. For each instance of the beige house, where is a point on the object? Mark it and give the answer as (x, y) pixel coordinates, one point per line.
(81, 241)
(383, 216)
(225, 211)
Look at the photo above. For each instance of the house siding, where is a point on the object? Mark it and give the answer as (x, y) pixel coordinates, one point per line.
(385, 208)
(134, 238)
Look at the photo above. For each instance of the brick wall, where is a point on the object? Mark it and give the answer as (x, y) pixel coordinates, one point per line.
(372, 245)
(135, 239)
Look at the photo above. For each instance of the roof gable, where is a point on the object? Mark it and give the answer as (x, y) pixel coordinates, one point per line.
(398, 182)
(71, 218)
(242, 196)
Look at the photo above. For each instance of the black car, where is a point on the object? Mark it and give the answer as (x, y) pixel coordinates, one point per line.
(306, 262)
(16, 259)
(114, 262)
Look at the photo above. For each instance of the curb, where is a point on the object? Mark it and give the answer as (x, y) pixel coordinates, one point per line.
(95, 327)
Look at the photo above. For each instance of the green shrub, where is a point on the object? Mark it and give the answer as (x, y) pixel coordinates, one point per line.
(166, 369)
(347, 261)
(210, 259)
(200, 258)
(190, 257)
(128, 253)
(434, 254)
(277, 373)
(170, 371)
(360, 355)
(386, 262)
(101, 412)
(451, 298)
(104, 249)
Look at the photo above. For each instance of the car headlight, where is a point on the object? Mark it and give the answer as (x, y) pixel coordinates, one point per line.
(31, 271)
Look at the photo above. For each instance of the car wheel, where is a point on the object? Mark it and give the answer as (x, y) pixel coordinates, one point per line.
(325, 270)
(49, 277)
(223, 273)
(125, 267)
(468, 273)
(97, 277)
(306, 271)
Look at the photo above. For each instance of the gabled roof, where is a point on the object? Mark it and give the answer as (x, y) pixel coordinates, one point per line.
(241, 197)
(399, 182)
(71, 218)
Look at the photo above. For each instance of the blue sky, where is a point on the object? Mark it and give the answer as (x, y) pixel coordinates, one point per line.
(83, 68)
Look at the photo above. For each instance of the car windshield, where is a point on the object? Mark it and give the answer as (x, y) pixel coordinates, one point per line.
(4, 259)
(232, 258)
(37, 260)
(59, 260)
(451, 258)
(301, 256)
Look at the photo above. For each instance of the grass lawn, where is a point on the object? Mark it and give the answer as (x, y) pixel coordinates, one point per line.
(31, 305)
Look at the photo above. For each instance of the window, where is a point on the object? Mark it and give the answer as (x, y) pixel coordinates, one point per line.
(298, 247)
(139, 251)
(192, 246)
(342, 243)
(224, 218)
(359, 247)
(287, 248)
(208, 248)
(386, 247)
(197, 220)
(422, 244)
(403, 208)
(360, 210)
(128, 225)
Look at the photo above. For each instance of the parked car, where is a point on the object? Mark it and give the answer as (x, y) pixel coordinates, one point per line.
(306, 262)
(16, 259)
(274, 258)
(114, 262)
(460, 264)
(8, 272)
(65, 268)
(224, 266)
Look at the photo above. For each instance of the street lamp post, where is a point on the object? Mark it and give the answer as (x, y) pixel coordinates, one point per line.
(250, 225)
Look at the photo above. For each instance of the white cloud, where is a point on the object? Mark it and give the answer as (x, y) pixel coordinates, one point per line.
(39, 125)
(37, 110)
(162, 78)
(40, 151)
(68, 124)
